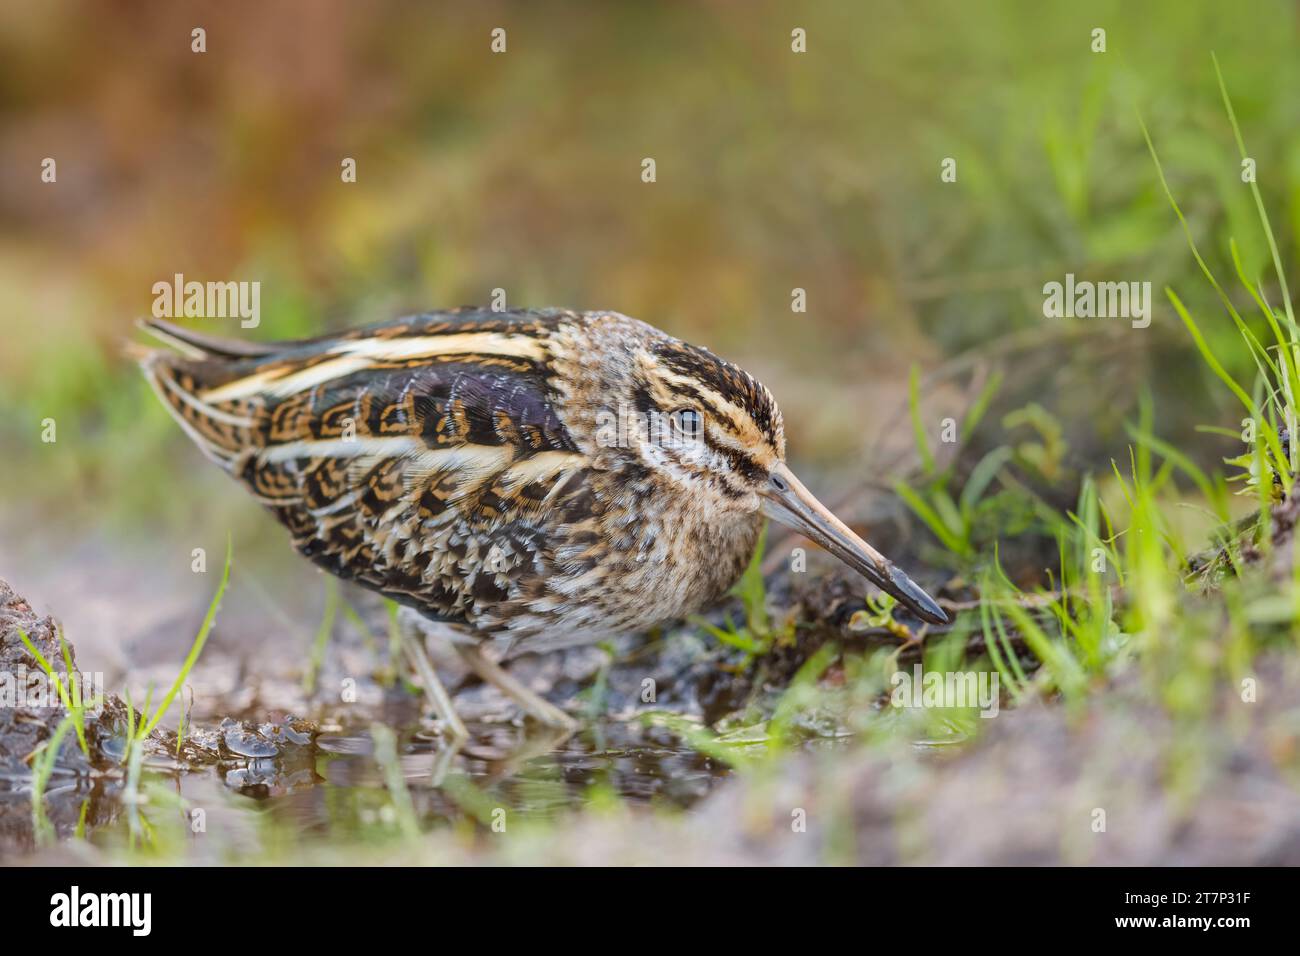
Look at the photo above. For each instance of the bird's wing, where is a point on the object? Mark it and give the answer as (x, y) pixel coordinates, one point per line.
(419, 463)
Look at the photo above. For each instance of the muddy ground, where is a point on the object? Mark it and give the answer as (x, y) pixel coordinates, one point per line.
(1031, 789)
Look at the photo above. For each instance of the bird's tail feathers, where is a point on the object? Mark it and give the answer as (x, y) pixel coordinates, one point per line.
(177, 378)
(196, 345)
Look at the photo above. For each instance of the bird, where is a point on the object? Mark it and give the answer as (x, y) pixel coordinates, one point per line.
(523, 480)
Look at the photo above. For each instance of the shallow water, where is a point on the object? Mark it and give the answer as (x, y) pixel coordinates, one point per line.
(338, 788)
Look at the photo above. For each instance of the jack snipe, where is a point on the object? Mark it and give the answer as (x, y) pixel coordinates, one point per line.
(533, 479)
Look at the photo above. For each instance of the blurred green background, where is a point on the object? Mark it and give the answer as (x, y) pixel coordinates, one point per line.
(522, 170)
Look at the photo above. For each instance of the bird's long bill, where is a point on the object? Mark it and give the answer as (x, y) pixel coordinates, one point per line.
(787, 500)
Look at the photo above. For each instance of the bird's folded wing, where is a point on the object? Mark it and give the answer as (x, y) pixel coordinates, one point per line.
(410, 462)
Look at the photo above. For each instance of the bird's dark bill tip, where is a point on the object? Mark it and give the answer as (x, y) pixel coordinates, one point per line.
(916, 600)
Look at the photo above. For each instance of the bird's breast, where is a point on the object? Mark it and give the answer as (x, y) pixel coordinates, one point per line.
(658, 561)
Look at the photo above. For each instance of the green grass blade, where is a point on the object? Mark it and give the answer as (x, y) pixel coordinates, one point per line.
(1207, 354)
(932, 520)
(195, 649)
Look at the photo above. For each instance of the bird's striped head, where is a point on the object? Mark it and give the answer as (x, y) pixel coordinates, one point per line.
(715, 431)
(702, 422)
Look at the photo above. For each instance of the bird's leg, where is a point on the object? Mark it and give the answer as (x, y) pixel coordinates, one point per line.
(439, 699)
(494, 674)
(442, 761)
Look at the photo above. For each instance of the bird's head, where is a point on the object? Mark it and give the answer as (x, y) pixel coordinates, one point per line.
(713, 430)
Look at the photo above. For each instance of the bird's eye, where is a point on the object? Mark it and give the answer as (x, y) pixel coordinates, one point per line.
(688, 423)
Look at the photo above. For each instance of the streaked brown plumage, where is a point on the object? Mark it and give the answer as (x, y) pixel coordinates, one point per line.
(537, 479)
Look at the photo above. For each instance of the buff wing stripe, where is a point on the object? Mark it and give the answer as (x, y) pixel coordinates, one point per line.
(348, 358)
